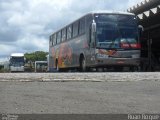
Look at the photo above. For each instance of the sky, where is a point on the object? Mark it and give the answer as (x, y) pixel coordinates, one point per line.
(25, 25)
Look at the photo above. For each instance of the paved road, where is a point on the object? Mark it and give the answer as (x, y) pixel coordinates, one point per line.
(43, 95)
(66, 77)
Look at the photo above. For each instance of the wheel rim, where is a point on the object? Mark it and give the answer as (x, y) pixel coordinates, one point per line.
(57, 68)
(83, 65)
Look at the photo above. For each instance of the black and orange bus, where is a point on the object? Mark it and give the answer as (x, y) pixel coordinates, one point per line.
(99, 39)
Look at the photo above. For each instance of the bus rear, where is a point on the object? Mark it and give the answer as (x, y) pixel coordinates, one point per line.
(116, 40)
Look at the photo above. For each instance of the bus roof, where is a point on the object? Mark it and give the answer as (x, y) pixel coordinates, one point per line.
(109, 12)
(41, 61)
(17, 54)
(97, 12)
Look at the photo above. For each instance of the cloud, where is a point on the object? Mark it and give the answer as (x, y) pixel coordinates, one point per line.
(26, 25)
(6, 49)
(32, 43)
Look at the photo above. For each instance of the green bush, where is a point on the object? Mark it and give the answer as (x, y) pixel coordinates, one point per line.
(2, 70)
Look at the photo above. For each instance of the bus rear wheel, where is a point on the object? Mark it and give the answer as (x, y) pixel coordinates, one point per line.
(82, 64)
(57, 68)
(135, 69)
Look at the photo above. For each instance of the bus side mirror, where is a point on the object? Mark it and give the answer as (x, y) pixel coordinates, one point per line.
(93, 34)
(24, 59)
(140, 29)
(93, 27)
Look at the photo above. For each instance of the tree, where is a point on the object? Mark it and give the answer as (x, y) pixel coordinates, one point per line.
(36, 56)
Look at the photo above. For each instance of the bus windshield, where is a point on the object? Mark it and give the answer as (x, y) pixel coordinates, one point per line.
(17, 61)
(116, 31)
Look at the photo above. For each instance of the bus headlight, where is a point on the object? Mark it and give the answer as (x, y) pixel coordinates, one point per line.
(136, 56)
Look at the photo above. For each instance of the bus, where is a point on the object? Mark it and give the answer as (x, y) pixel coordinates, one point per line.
(98, 39)
(17, 61)
(41, 66)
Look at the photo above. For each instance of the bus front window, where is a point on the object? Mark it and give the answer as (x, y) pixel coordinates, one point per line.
(116, 31)
(107, 35)
(18, 61)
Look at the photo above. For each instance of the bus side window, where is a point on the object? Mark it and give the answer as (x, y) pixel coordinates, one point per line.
(82, 26)
(75, 29)
(64, 34)
(69, 32)
(58, 37)
(50, 41)
(54, 39)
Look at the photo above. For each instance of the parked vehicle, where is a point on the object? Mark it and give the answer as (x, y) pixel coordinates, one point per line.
(97, 40)
(17, 62)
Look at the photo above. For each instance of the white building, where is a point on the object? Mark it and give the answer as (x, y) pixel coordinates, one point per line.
(5, 65)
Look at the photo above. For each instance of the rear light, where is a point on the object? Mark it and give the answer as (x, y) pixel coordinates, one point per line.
(120, 62)
(135, 46)
(125, 45)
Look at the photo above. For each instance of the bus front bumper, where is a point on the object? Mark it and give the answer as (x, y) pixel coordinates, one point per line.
(118, 62)
(17, 69)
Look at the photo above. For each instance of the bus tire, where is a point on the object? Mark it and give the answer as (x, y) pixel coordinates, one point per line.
(135, 69)
(82, 65)
(100, 69)
(57, 68)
